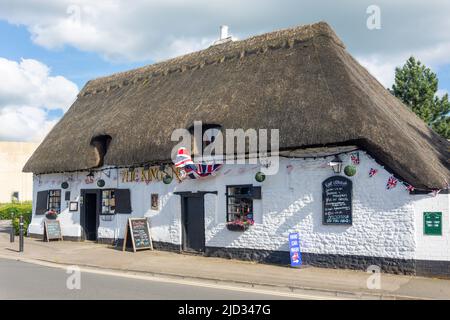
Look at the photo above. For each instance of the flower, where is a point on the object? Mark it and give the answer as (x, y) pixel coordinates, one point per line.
(242, 222)
(52, 213)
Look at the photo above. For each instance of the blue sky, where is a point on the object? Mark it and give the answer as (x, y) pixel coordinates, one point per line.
(75, 65)
(49, 49)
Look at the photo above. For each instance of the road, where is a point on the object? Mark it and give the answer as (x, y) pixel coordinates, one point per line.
(21, 280)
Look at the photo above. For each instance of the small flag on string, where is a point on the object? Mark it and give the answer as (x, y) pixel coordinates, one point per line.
(410, 188)
(435, 192)
(355, 158)
(391, 183)
(372, 172)
(289, 168)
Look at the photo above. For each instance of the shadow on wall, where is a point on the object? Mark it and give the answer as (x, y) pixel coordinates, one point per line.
(166, 216)
(288, 210)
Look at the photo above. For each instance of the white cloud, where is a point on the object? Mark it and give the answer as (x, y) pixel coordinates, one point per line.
(124, 31)
(27, 93)
(383, 70)
(440, 93)
(141, 30)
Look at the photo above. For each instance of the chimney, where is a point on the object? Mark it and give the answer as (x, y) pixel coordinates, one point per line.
(224, 37)
(223, 32)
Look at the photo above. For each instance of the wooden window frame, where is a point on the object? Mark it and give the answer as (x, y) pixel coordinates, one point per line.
(249, 197)
(112, 196)
(51, 197)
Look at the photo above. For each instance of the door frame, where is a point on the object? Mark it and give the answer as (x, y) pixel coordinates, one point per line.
(83, 220)
(184, 195)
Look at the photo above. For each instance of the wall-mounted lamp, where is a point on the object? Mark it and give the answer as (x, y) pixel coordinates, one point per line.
(336, 164)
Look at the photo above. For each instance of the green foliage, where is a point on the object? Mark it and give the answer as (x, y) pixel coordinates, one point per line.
(12, 211)
(416, 85)
(26, 222)
(350, 170)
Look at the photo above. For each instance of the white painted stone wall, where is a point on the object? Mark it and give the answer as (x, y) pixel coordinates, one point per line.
(386, 223)
(432, 247)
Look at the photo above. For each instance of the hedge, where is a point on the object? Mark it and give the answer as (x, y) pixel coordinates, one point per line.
(12, 211)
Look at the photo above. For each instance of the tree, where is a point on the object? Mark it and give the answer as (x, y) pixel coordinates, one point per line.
(416, 85)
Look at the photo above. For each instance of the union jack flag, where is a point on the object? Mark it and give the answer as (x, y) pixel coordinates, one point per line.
(355, 158)
(198, 171)
(183, 158)
(391, 183)
(410, 188)
(372, 172)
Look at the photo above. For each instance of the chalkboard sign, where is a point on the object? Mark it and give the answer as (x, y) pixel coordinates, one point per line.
(337, 200)
(137, 234)
(52, 230)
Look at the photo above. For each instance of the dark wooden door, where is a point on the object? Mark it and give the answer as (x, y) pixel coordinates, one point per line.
(91, 216)
(193, 217)
(90, 210)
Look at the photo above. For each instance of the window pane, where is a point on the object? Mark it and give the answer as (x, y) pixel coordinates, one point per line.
(239, 203)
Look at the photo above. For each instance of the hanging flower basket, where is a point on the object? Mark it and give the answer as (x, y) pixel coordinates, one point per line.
(239, 225)
(51, 215)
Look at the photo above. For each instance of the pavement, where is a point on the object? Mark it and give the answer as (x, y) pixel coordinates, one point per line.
(332, 283)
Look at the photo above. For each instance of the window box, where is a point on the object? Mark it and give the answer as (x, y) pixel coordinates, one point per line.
(51, 215)
(239, 225)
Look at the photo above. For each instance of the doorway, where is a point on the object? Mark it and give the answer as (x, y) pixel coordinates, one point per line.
(193, 222)
(90, 208)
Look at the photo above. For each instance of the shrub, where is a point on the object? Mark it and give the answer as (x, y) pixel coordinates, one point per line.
(12, 211)
(26, 222)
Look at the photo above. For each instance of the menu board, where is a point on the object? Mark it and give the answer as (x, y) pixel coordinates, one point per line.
(337, 200)
(137, 234)
(52, 230)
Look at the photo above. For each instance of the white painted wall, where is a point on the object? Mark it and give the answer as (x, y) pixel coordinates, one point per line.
(386, 223)
(432, 247)
(13, 156)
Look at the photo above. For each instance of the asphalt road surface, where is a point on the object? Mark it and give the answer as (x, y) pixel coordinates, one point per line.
(21, 280)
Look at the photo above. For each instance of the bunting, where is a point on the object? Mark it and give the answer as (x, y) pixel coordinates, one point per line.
(372, 172)
(391, 183)
(355, 158)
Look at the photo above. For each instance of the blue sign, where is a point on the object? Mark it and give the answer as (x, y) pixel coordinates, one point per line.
(294, 249)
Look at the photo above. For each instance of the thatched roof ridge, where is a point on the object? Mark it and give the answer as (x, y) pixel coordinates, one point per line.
(225, 52)
(300, 81)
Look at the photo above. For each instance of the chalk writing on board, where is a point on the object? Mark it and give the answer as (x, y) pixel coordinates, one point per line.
(337, 200)
(140, 233)
(137, 234)
(52, 230)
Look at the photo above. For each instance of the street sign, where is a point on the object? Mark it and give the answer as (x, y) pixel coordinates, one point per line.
(294, 249)
(432, 223)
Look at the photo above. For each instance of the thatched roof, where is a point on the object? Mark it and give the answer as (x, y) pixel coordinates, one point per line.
(300, 80)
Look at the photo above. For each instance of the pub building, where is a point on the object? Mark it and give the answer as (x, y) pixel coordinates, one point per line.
(361, 178)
